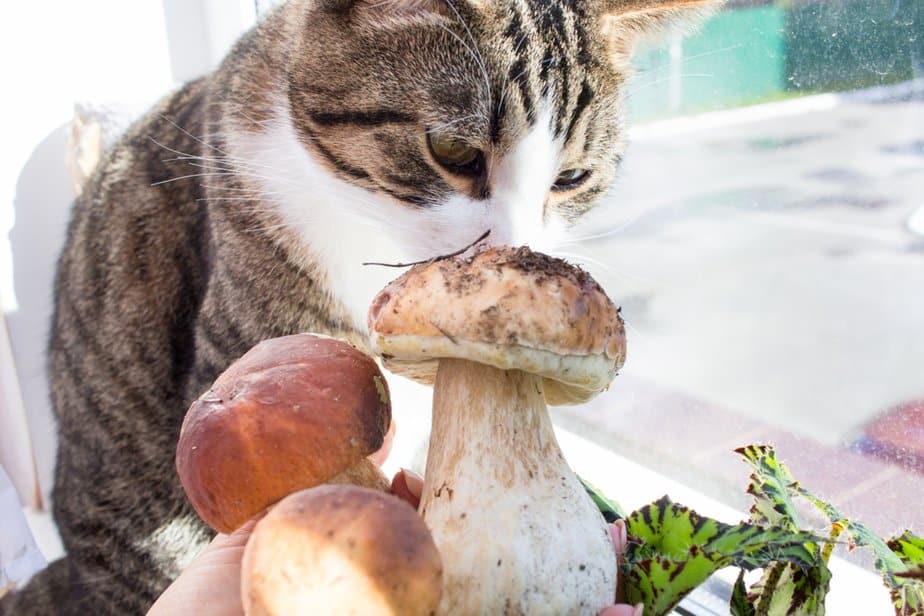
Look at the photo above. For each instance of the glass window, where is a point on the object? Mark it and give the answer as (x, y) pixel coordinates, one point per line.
(766, 240)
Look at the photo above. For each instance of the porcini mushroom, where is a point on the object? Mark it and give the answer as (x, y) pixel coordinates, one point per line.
(292, 413)
(499, 334)
(341, 550)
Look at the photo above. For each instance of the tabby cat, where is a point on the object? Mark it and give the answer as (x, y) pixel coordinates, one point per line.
(243, 206)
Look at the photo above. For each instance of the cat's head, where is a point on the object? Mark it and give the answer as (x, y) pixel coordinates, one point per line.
(413, 126)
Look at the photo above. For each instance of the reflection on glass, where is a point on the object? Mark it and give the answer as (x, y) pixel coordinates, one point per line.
(766, 239)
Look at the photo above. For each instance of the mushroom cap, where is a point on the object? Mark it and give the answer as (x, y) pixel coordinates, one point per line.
(506, 307)
(341, 550)
(290, 414)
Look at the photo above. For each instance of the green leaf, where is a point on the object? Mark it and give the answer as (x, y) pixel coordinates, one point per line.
(789, 590)
(909, 548)
(740, 605)
(908, 597)
(673, 549)
(892, 560)
(917, 573)
(770, 485)
(774, 489)
(609, 508)
(783, 588)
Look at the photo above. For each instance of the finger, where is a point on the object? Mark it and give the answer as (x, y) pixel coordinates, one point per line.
(624, 610)
(212, 581)
(619, 536)
(407, 485)
(414, 482)
(620, 540)
(237, 539)
(381, 455)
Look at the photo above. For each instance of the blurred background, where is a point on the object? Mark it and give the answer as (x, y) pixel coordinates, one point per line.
(765, 236)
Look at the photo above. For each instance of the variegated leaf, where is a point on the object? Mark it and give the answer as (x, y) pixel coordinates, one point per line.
(672, 550)
(791, 591)
(774, 490)
(739, 604)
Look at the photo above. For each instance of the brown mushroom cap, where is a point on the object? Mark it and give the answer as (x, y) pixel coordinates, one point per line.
(341, 550)
(506, 307)
(290, 414)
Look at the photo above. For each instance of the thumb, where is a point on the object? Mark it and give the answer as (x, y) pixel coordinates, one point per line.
(212, 581)
(227, 549)
(408, 486)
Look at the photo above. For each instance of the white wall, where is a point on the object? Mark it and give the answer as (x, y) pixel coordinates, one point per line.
(55, 54)
(200, 32)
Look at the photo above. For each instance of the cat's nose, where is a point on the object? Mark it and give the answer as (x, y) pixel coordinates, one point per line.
(513, 231)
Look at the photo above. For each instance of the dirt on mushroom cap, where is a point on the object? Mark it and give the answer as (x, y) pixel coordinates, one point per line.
(503, 295)
(505, 307)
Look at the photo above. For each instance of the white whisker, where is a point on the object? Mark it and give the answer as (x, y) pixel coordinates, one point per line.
(189, 177)
(609, 268)
(604, 233)
(636, 90)
(191, 136)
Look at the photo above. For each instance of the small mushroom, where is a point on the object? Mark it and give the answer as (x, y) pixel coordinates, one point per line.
(341, 550)
(500, 334)
(292, 413)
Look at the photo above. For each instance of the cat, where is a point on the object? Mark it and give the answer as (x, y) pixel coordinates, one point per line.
(243, 206)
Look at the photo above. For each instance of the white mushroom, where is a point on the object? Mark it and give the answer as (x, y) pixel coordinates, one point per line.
(336, 550)
(498, 335)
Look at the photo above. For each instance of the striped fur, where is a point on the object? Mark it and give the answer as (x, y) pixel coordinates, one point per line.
(225, 216)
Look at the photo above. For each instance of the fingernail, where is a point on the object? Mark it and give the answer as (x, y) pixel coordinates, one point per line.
(623, 533)
(414, 482)
(639, 610)
(620, 538)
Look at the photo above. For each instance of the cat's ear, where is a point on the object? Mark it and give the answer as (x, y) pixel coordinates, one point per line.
(628, 22)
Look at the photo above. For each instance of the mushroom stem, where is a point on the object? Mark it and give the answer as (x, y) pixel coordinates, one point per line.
(364, 473)
(517, 532)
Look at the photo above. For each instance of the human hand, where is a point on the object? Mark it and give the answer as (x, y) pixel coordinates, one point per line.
(212, 583)
(620, 539)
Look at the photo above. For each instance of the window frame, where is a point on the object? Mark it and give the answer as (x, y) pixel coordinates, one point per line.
(200, 32)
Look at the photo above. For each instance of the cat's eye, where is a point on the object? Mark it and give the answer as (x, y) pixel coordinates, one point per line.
(454, 154)
(570, 178)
